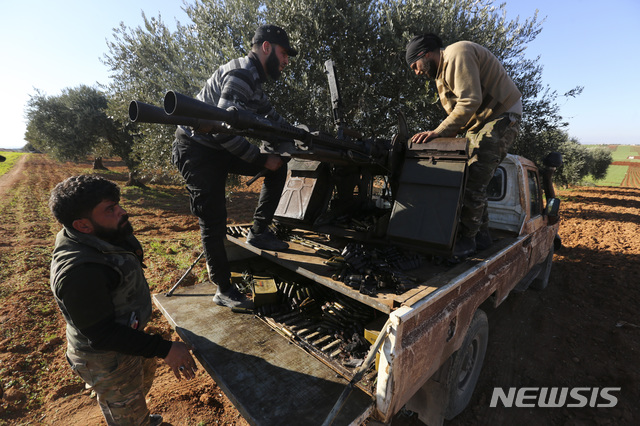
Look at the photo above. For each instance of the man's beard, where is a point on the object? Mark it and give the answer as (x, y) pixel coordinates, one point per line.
(114, 235)
(273, 66)
(430, 69)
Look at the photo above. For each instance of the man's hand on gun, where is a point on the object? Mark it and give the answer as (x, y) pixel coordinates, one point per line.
(273, 163)
(424, 137)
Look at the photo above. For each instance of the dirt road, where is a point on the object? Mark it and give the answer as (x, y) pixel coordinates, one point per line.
(582, 331)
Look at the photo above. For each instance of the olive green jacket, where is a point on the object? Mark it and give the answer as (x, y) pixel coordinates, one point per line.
(131, 297)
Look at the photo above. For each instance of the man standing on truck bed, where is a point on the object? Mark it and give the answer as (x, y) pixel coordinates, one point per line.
(480, 99)
(205, 159)
(99, 285)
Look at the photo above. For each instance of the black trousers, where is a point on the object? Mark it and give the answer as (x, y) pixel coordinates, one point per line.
(205, 171)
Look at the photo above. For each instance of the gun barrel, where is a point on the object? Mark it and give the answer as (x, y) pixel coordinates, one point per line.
(140, 112)
(301, 142)
(178, 104)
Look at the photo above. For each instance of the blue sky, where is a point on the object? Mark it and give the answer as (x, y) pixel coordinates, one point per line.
(50, 46)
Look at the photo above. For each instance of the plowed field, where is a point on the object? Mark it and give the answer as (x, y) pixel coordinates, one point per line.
(632, 177)
(582, 331)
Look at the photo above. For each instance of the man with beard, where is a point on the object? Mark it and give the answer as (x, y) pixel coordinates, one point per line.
(205, 159)
(99, 285)
(483, 102)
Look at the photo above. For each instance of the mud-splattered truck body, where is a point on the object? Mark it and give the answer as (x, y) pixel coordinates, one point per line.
(432, 334)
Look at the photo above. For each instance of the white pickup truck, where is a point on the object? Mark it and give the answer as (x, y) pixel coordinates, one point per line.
(286, 364)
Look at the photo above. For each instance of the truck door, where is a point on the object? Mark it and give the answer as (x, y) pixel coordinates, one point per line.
(535, 222)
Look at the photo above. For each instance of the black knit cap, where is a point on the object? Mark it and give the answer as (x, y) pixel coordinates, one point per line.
(275, 35)
(421, 45)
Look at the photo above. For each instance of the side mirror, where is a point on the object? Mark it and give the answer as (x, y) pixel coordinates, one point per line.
(552, 209)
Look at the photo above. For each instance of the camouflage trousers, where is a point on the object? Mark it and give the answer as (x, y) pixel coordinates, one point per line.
(488, 146)
(121, 383)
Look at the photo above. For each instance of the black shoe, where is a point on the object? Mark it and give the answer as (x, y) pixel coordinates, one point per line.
(155, 419)
(232, 298)
(266, 241)
(483, 239)
(465, 246)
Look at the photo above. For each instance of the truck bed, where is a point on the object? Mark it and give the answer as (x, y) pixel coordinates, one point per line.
(429, 276)
(266, 366)
(266, 377)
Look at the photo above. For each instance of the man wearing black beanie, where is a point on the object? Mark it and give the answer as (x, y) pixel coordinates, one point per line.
(484, 104)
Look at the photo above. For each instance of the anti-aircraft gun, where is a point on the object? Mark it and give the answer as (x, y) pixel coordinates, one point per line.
(331, 179)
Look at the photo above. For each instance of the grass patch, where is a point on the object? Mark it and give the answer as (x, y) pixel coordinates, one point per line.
(22, 270)
(623, 152)
(12, 158)
(614, 177)
(177, 251)
(161, 197)
(168, 260)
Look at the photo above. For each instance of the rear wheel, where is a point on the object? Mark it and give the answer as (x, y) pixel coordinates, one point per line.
(466, 364)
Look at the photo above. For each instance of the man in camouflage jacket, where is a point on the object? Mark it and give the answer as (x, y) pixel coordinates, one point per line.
(98, 282)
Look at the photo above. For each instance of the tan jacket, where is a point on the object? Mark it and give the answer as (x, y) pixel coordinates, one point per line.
(473, 87)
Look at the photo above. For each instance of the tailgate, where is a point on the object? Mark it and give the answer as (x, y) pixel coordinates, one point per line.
(269, 380)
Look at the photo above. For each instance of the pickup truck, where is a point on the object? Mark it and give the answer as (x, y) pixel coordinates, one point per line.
(419, 344)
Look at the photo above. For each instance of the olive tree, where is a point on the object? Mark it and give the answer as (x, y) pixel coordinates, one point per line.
(75, 124)
(366, 39)
(599, 160)
(579, 161)
(146, 62)
(67, 126)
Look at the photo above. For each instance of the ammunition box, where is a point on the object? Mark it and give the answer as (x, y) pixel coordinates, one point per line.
(236, 278)
(306, 192)
(265, 291)
(428, 201)
(372, 330)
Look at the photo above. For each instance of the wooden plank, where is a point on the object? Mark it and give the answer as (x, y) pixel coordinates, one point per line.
(268, 379)
(306, 262)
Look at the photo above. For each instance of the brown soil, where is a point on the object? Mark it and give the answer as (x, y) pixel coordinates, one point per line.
(632, 177)
(582, 331)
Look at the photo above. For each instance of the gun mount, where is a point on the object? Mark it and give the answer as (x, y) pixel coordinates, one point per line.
(371, 189)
